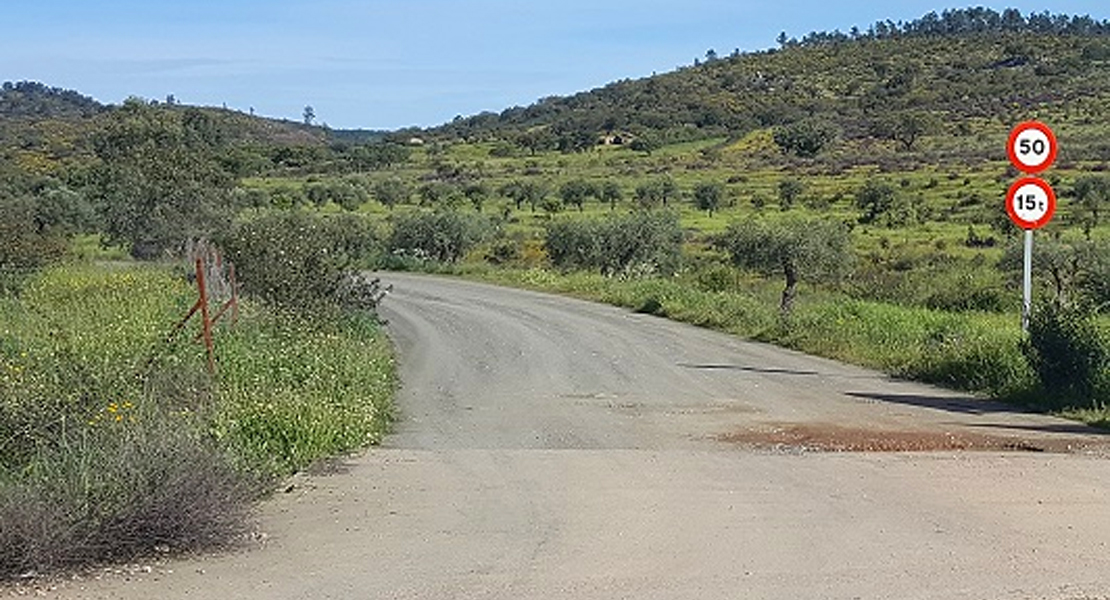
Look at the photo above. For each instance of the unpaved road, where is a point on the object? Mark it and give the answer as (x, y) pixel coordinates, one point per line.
(551, 448)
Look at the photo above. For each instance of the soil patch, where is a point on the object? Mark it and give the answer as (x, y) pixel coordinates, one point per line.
(821, 437)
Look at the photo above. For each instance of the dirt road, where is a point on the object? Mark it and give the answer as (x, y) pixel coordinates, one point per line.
(551, 448)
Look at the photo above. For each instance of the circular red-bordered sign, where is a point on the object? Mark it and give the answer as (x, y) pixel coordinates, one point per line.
(1031, 202)
(1032, 147)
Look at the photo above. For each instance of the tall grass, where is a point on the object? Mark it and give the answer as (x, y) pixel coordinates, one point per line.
(113, 442)
(294, 389)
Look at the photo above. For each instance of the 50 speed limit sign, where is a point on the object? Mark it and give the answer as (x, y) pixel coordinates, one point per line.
(1032, 147)
(1031, 203)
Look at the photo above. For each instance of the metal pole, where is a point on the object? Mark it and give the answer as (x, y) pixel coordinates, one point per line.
(1027, 281)
(206, 322)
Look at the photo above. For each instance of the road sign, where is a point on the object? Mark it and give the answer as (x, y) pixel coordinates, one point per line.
(1032, 147)
(1031, 202)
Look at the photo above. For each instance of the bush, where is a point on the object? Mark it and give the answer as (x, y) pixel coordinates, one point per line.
(882, 204)
(1070, 356)
(118, 491)
(107, 453)
(806, 138)
(642, 242)
(24, 248)
(295, 259)
(445, 236)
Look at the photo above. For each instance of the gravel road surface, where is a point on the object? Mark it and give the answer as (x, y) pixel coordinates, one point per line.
(552, 448)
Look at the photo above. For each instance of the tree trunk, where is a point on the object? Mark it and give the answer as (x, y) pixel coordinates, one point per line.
(791, 289)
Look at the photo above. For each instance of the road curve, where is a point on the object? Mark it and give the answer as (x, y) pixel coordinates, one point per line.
(553, 448)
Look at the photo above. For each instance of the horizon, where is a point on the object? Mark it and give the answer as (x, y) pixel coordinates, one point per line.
(377, 66)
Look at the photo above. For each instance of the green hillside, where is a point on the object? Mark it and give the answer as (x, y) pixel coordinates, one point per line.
(953, 76)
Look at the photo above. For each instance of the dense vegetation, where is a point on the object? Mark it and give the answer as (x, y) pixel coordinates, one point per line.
(840, 194)
(116, 440)
(949, 74)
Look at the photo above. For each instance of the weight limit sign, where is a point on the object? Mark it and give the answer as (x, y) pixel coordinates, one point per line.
(1031, 202)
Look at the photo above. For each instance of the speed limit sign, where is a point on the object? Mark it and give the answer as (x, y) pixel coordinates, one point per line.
(1032, 147)
(1031, 203)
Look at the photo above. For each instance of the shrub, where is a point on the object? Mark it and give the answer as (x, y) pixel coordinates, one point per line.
(118, 491)
(806, 138)
(1070, 356)
(504, 251)
(881, 203)
(640, 242)
(445, 236)
(23, 246)
(295, 259)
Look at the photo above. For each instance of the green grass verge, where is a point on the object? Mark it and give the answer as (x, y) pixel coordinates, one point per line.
(114, 442)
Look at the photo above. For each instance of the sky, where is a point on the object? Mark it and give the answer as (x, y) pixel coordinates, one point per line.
(389, 64)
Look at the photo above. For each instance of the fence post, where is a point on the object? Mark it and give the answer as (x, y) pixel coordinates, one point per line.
(206, 323)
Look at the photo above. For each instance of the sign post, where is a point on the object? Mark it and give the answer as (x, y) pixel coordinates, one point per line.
(1031, 202)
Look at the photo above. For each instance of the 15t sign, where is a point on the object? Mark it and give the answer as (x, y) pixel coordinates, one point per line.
(1032, 147)
(1031, 202)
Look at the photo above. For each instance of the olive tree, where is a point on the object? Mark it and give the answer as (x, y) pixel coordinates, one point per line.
(640, 242)
(576, 191)
(391, 192)
(795, 248)
(1092, 193)
(708, 196)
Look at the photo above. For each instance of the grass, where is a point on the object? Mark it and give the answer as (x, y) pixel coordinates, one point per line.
(113, 442)
(294, 390)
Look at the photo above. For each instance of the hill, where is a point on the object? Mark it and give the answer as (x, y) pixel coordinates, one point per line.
(33, 99)
(943, 74)
(46, 130)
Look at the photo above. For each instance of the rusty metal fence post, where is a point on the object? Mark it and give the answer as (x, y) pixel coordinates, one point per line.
(211, 276)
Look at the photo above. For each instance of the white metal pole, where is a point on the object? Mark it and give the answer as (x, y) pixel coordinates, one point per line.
(1027, 298)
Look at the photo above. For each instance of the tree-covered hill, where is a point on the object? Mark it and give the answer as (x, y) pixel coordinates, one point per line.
(33, 99)
(48, 130)
(943, 73)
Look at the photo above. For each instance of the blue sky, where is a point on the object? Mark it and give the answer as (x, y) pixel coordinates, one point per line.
(387, 64)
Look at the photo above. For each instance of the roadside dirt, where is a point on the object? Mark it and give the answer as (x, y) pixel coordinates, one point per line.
(825, 437)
